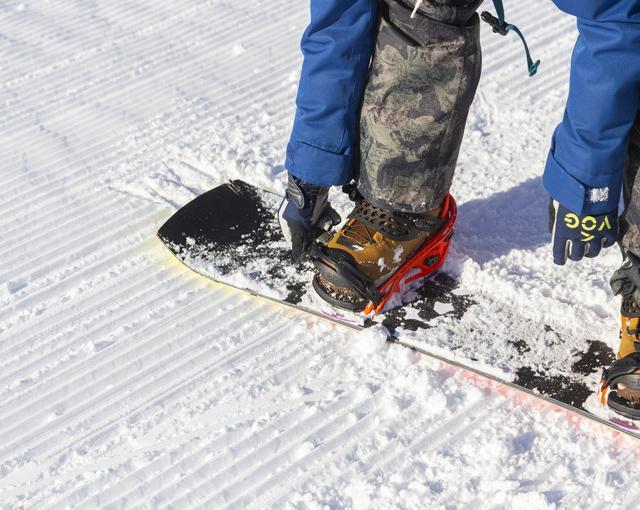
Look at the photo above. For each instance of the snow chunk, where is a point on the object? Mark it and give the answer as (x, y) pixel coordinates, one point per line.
(397, 254)
(531, 501)
(436, 403)
(442, 308)
(238, 49)
(370, 340)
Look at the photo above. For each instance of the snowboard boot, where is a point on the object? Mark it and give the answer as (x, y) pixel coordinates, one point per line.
(620, 384)
(377, 251)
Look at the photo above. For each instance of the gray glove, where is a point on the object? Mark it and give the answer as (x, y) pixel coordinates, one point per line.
(304, 215)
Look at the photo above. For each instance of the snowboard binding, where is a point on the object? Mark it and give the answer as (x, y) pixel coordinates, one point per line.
(351, 289)
(619, 386)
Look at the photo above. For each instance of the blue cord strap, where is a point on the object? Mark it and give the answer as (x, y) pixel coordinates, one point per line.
(500, 26)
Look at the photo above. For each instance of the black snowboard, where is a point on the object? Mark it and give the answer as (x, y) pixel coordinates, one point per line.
(231, 235)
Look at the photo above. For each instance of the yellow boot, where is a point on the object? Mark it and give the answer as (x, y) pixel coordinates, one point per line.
(629, 336)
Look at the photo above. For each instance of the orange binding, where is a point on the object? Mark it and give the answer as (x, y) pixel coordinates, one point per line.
(425, 262)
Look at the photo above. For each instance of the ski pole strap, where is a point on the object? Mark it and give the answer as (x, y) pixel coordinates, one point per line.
(500, 26)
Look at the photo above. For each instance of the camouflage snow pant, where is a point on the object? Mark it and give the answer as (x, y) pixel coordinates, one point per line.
(630, 219)
(423, 78)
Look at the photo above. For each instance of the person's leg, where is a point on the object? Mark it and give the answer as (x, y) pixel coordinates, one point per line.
(423, 78)
(623, 376)
(623, 280)
(630, 218)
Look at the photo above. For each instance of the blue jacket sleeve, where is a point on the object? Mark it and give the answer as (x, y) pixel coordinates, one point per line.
(585, 164)
(337, 47)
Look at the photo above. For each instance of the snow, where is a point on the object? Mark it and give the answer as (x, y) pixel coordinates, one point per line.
(442, 308)
(397, 254)
(127, 381)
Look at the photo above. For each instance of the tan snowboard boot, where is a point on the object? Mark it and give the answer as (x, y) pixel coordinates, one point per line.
(369, 250)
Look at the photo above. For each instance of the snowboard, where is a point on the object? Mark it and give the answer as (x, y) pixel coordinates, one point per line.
(231, 235)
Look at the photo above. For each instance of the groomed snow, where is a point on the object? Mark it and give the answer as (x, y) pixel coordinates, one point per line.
(126, 381)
